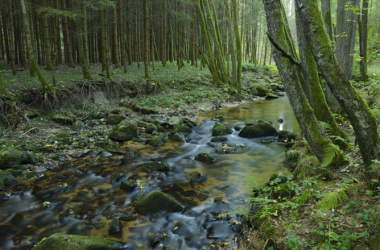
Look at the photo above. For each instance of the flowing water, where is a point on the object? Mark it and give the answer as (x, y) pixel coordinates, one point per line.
(89, 201)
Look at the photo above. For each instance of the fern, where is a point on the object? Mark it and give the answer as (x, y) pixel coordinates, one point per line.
(327, 130)
(332, 200)
(329, 152)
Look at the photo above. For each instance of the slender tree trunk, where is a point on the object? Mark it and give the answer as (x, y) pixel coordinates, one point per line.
(1, 40)
(364, 40)
(122, 35)
(46, 38)
(66, 37)
(239, 50)
(129, 41)
(102, 40)
(163, 35)
(10, 43)
(146, 40)
(361, 117)
(136, 38)
(105, 32)
(85, 41)
(115, 48)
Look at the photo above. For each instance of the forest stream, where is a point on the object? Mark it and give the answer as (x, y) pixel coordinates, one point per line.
(88, 204)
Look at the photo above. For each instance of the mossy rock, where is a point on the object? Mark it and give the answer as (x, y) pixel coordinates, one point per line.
(219, 139)
(13, 157)
(128, 185)
(135, 139)
(182, 128)
(175, 120)
(63, 135)
(115, 176)
(129, 152)
(114, 226)
(98, 115)
(220, 129)
(157, 202)
(7, 178)
(47, 193)
(159, 166)
(160, 129)
(94, 164)
(270, 96)
(177, 137)
(284, 190)
(262, 89)
(189, 123)
(260, 128)
(287, 136)
(154, 121)
(101, 144)
(64, 120)
(30, 175)
(76, 242)
(204, 158)
(77, 126)
(114, 149)
(115, 119)
(220, 118)
(124, 131)
(193, 176)
(150, 128)
(121, 111)
(253, 90)
(249, 121)
(227, 149)
(158, 140)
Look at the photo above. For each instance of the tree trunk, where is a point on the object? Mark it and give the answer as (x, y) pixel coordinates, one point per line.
(361, 117)
(163, 35)
(146, 40)
(238, 52)
(297, 98)
(122, 35)
(114, 39)
(102, 41)
(364, 40)
(10, 43)
(136, 38)
(85, 41)
(66, 37)
(46, 38)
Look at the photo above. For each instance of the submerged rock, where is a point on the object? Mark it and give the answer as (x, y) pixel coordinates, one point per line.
(177, 137)
(227, 149)
(287, 136)
(128, 185)
(157, 202)
(220, 129)
(76, 242)
(114, 226)
(126, 130)
(204, 158)
(194, 176)
(77, 126)
(129, 152)
(159, 166)
(13, 157)
(258, 128)
(220, 118)
(114, 149)
(115, 176)
(182, 128)
(43, 194)
(219, 139)
(115, 119)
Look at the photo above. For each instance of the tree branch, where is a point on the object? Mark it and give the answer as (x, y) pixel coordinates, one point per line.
(283, 52)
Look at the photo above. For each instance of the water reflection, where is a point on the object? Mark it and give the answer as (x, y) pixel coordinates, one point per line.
(90, 201)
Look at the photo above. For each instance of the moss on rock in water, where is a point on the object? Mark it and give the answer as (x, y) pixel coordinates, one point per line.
(128, 185)
(194, 176)
(126, 130)
(115, 176)
(219, 139)
(259, 128)
(157, 202)
(150, 128)
(134, 139)
(182, 128)
(43, 194)
(284, 135)
(158, 139)
(115, 119)
(204, 157)
(7, 178)
(114, 226)
(220, 129)
(159, 166)
(76, 242)
(177, 137)
(113, 148)
(12, 157)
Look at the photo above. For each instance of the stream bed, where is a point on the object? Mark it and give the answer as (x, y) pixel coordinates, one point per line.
(89, 202)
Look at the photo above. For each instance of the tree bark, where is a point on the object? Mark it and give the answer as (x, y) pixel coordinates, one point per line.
(66, 37)
(361, 117)
(146, 40)
(115, 48)
(7, 24)
(364, 41)
(85, 40)
(46, 38)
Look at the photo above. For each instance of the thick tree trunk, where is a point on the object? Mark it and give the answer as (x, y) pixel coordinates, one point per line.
(361, 117)
(297, 98)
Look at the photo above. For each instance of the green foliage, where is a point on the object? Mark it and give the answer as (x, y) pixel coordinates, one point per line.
(332, 200)
(330, 151)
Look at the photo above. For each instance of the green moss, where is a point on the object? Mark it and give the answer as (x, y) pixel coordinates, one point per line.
(113, 148)
(76, 242)
(284, 190)
(157, 202)
(114, 226)
(134, 139)
(158, 139)
(12, 157)
(182, 128)
(150, 128)
(126, 130)
(115, 176)
(219, 139)
(258, 128)
(204, 158)
(115, 119)
(220, 129)
(128, 185)
(43, 194)
(77, 126)
(31, 175)
(159, 166)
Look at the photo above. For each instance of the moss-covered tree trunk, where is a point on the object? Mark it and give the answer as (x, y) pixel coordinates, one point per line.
(300, 105)
(46, 86)
(238, 49)
(313, 87)
(361, 117)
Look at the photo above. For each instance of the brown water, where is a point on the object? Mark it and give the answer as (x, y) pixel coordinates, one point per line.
(89, 201)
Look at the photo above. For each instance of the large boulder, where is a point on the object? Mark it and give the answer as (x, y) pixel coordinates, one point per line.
(114, 119)
(157, 202)
(182, 128)
(124, 131)
(7, 178)
(220, 129)
(177, 137)
(175, 120)
(262, 89)
(76, 242)
(259, 128)
(13, 157)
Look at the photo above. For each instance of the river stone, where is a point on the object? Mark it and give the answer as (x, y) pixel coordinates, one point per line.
(190, 123)
(287, 136)
(121, 111)
(157, 202)
(64, 120)
(129, 152)
(114, 226)
(76, 242)
(220, 118)
(182, 128)
(114, 149)
(14, 157)
(126, 130)
(219, 139)
(98, 115)
(262, 89)
(115, 119)
(142, 124)
(253, 90)
(128, 185)
(177, 137)
(271, 96)
(155, 122)
(105, 154)
(158, 139)
(7, 178)
(160, 129)
(220, 129)
(259, 128)
(227, 149)
(204, 157)
(159, 166)
(115, 176)
(134, 139)
(150, 128)
(94, 163)
(77, 126)
(43, 194)
(194, 176)
(175, 120)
